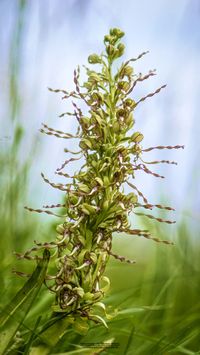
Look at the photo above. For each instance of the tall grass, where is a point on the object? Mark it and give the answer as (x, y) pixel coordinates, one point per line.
(17, 229)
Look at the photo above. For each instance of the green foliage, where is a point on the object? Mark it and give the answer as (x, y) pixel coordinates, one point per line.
(13, 315)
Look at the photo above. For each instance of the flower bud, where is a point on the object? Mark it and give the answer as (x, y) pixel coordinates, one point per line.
(116, 32)
(126, 71)
(108, 38)
(130, 120)
(110, 49)
(136, 149)
(132, 197)
(121, 113)
(98, 96)
(73, 199)
(88, 85)
(121, 48)
(137, 137)
(124, 85)
(94, 77)
(129, 103)
(94, 59)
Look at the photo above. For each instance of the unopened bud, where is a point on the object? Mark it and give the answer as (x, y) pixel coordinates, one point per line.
(136, 149)
(129, 103)
(124, 85)
(116, 32)
(130, 120)
(110, 49)
(121, 48)
(137, 137)
(73, 199)
(132, 197)
(127, 71)
(108, 38)
(121, 113)
(94, 59)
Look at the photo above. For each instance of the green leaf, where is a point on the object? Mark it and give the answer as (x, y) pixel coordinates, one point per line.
(30, 341)
(54, 331)
(40, 350)
(81, 350)
(15, 312)
(99, 319)
(81, 326)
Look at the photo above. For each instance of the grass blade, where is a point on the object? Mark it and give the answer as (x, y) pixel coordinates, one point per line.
(14, 313)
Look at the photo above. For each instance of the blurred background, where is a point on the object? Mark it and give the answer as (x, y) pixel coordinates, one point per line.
(41, 43)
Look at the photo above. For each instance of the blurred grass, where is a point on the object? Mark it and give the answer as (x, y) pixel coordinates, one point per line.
(164, 287)
(17, 228)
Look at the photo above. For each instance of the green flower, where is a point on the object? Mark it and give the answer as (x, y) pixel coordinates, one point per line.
(96, 204)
